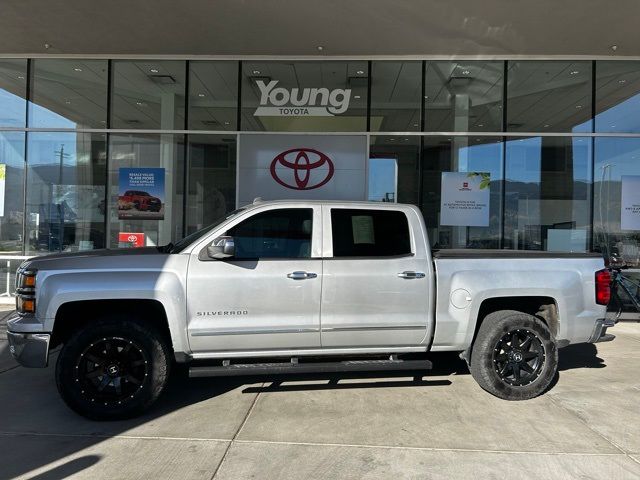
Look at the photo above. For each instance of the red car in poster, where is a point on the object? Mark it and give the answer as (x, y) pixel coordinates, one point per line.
(141, 201)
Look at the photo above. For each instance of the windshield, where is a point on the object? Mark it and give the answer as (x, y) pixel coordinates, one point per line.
(189, 239)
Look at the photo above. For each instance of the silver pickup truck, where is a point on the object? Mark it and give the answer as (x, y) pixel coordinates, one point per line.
(285, 287)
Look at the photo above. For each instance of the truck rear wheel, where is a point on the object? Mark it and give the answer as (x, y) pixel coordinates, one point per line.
(112, 369)
(514, 356)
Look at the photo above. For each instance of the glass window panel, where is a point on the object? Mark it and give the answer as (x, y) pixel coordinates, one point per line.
(212, 179)
(618, 96)
(369, 233)
(12, 192)
(404, 152)
(549, 96)
(280, 233)
(307, 96)
(395, 96)
(213, 95)
(615, 158)
(68, 94)
(138, 151)
(13, 92)
(65, 191)
(148, 94)
(547, 193)
(462, 154)
(463, 96)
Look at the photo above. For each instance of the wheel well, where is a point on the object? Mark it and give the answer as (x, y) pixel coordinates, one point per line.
(73, 315)
(545, 308)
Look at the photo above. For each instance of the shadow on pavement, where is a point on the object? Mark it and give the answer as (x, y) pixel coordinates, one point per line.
(68, 469)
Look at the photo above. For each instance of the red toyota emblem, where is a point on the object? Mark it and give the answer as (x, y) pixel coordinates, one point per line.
(294, 169)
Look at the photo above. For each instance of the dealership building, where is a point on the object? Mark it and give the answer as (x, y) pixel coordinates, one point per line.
(511, 126)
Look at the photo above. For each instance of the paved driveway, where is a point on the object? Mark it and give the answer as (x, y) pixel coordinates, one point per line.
(441, 426)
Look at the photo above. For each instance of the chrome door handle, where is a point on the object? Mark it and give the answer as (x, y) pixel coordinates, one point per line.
(301, 275)
(409, 275)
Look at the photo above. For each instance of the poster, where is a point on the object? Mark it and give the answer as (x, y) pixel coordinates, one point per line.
(465, 199)
(302, 167)
(141, 194)
(3, 174)
(630, 203)
(130, 240)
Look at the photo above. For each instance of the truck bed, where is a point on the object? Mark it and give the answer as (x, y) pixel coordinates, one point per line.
(495, 253)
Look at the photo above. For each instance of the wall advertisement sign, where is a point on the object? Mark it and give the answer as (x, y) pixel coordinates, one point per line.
(302, 167)
(300, 102)
(630, 203)
(130, 239)
(141, 194)
(464, 200)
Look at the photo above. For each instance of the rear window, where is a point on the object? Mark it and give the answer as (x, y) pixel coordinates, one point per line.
(369, 233)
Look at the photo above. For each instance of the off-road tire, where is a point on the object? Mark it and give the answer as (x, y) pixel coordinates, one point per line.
(152, 367)
(484, 365)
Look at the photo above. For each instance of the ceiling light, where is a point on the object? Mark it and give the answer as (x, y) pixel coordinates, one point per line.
(201, 95)
(256, 72)
(426, 97)
(77, 69)
(226, 123)
(356, 97)
(406, 139)
(574, 72)
(392, 139)
(614, 47)
(140, 103)
(546, 125)
(68, 102)
(466, 72)
(415, 124)
(622, 82)
(578, 106)
(154, 70)
(613, 126)
(481, 125)
(320, 48)
(360, 72)
(20, 77)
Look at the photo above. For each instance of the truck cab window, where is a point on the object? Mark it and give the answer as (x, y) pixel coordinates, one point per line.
(369, 233)
(281, 233)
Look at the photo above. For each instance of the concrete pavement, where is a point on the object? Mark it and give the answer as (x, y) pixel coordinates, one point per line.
(440, 426)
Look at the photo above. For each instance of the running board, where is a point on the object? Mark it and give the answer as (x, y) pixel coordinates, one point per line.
(277, 368)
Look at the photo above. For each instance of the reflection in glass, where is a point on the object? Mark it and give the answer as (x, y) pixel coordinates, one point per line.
(304, 96)
(402, 154)
(12, 192)
(147, 151)
(148, 94)
(463, 96)
(395, 96)
(65, 191)
(213, 95)
(547, 194)
(212, 179)
(461, 154)
(13, 92)
(614, 159)
(68, 94)
(618, 96)
(549, 96)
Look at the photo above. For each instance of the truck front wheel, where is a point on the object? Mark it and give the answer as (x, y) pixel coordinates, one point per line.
(514, 356)
(112, 369)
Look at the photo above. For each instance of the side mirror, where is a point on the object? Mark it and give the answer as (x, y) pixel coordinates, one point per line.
(222, 247)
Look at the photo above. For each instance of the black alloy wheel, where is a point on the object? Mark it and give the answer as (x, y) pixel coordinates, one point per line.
(518, 357)
(112, 370)
(514, 355)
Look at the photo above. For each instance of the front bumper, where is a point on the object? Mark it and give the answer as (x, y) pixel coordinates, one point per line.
(30, 349)
(600, 331)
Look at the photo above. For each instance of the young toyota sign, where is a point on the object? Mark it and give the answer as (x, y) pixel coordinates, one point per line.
(314, 167)
(299, 102)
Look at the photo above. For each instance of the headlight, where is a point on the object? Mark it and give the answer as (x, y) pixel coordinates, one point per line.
(26, 290)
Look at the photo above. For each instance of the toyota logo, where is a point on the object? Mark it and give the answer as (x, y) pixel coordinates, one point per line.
(302, 169)
(132, 238)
